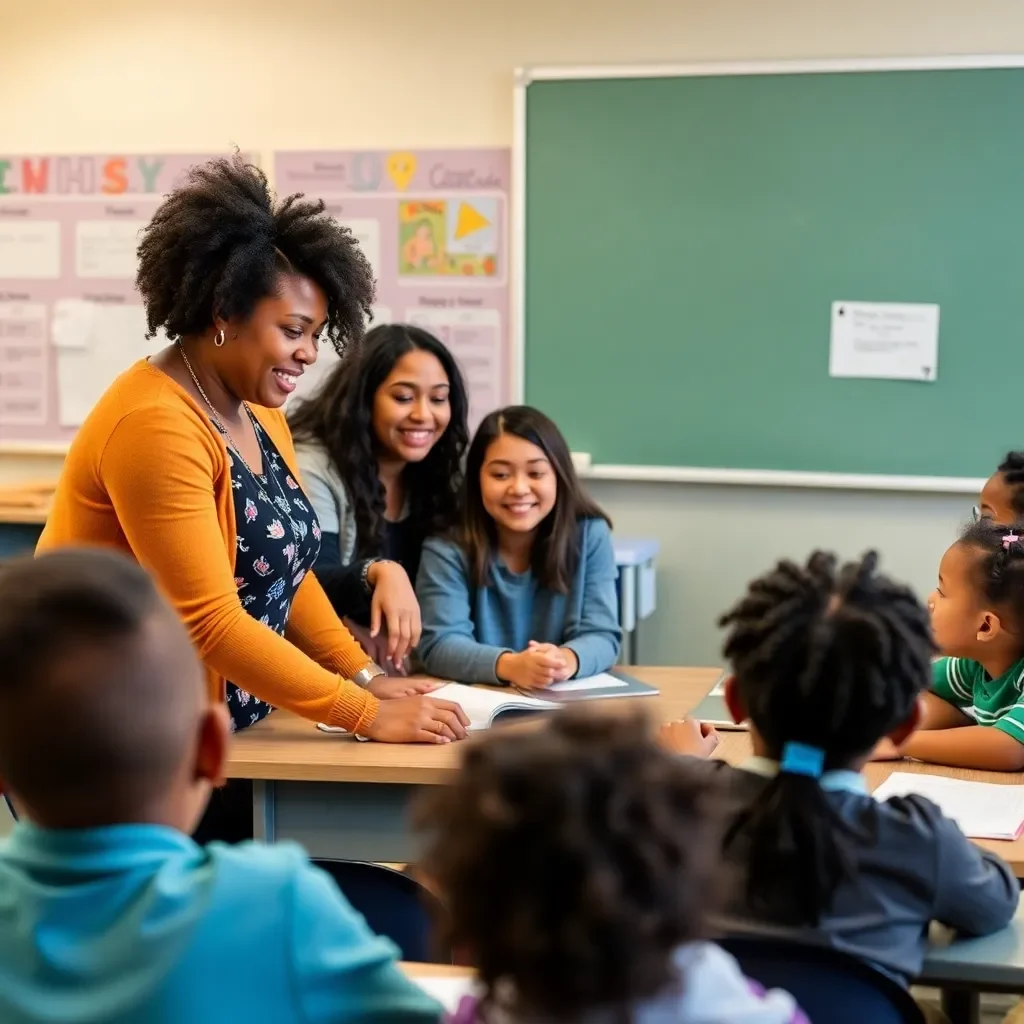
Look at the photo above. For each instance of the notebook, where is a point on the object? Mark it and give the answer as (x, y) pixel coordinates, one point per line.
(712, 708)
(983, 810)
(603, 686)
(483, 707)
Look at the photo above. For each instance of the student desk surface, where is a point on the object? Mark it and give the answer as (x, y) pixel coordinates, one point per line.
(364, 818)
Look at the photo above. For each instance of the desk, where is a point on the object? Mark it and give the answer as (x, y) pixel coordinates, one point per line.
(364, 818)
(634, 559)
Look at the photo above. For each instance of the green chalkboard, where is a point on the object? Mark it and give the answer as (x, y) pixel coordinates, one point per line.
(686, 237)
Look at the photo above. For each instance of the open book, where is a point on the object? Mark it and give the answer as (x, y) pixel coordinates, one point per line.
(983, 810)
(483, 706)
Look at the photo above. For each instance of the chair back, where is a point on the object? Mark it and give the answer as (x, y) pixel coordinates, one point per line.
(394, 904)
(829, 985)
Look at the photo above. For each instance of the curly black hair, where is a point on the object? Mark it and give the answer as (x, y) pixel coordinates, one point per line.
(339, 418)
(999, 567)
(1012, 469)
(835, 659)
(573, 860)
(218, 243)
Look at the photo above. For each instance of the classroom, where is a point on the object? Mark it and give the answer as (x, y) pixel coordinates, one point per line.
(548, 189)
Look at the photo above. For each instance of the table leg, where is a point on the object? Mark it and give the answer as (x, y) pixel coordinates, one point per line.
(264, 812)
(961, 1006)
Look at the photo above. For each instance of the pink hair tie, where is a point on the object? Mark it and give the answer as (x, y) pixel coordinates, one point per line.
(1010, 538)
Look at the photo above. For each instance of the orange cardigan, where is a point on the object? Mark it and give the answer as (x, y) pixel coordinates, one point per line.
(148, 474)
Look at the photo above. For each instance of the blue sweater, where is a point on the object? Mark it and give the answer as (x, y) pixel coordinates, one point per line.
(136, 924)
(467, 628)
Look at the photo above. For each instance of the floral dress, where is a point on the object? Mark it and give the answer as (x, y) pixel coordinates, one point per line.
(278, 542)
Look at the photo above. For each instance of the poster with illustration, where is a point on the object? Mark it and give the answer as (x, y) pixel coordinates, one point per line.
(434, 226)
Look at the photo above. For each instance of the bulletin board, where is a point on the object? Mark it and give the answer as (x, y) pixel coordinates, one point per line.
(434, 226)
(70, 318)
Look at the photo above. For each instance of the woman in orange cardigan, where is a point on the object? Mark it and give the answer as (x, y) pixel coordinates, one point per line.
(187, 464)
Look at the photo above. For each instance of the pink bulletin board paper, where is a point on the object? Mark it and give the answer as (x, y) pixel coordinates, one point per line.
(70, 318)
(434, 226)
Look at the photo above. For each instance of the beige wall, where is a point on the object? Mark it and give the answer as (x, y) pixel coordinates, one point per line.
(198, 74)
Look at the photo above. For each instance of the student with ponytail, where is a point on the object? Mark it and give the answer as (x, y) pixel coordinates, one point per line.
(826, 663)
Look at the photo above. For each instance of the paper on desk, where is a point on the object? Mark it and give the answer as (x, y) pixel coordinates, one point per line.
(983, 810)
(884, 340)
(448, 991)
(602, 681)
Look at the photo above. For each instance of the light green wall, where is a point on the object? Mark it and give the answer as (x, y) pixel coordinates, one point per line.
(714, 539)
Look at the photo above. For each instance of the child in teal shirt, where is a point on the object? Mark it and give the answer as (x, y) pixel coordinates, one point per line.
(109, 912)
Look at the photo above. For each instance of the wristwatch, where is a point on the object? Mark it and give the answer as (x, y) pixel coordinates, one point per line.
(366, 675)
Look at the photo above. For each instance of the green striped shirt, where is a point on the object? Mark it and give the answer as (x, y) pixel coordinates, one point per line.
(967, 686)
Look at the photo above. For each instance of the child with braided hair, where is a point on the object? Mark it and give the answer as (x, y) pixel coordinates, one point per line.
(974, 715)
(827, 662)
(1002, 497)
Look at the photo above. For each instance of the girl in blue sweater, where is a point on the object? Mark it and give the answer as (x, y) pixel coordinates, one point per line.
(524, 592)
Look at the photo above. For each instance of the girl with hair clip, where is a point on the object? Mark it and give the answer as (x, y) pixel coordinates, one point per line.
(524, 592)
(380, 446)
(826, 663)
(578, 864)
(974, 715)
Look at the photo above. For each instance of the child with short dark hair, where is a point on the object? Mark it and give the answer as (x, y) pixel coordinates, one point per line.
(578, 863)
(826, 663)
(1002, 497)
(974, 715)
(109, 747)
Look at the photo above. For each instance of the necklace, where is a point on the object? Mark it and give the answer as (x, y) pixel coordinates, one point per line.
(268, 469)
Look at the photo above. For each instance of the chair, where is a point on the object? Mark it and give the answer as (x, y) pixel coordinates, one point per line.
(394, 904)
(830, 986)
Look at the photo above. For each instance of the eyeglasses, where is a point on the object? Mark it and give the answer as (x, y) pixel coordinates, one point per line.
(976, 512)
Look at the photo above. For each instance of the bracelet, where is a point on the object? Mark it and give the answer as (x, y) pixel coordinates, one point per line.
(364, 575)
(366, 675)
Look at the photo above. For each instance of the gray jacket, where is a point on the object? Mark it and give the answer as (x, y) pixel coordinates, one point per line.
(328, 496)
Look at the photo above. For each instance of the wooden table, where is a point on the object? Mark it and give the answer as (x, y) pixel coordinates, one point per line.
(365, 817)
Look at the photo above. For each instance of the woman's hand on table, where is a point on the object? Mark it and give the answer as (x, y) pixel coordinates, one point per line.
(418, 719)
(385, 688)
(689, 737)
(394, 606)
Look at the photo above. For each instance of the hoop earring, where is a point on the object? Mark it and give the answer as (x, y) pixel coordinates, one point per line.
(218, 338)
